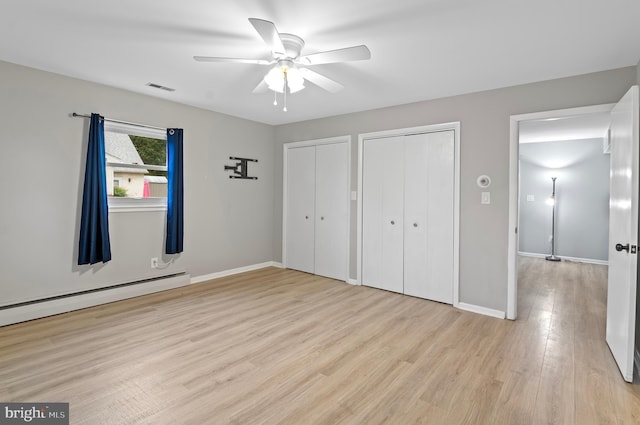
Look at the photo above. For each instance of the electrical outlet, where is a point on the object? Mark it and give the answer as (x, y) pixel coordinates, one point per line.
(154, 263)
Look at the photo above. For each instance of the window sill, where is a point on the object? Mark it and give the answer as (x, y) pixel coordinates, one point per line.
(118, 205)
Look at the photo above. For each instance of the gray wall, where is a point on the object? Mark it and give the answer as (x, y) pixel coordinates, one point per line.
(233, 223)
(228, 223)
(582, 192)
(484, 118)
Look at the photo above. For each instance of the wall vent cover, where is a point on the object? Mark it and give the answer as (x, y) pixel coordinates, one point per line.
(158, 86)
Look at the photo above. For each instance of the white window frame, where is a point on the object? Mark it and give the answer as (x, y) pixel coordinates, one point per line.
(117, 204)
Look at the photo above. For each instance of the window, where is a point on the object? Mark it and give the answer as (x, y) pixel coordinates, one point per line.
(136, 164)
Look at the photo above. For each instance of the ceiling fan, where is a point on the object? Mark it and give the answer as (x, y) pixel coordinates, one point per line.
(290, 68)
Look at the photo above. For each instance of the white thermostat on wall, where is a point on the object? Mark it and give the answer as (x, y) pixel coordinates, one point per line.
(484, 181)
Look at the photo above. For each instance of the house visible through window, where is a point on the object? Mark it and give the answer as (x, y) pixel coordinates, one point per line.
(136, 165)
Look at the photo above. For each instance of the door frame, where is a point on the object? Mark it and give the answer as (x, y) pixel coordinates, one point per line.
(432, 128)
(285, 154)
(514, 185)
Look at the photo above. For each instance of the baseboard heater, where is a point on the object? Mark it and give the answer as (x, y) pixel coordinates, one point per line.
(36, 309)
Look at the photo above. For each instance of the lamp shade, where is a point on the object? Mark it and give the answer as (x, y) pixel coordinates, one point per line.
(294, 80)
(275, 79)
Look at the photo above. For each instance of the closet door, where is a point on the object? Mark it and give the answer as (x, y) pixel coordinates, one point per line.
(300, 208)
(428, 200)
(382, 213)
(332, 205)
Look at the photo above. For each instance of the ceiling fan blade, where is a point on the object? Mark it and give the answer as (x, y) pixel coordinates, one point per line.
(231, 60)
(262, 87)
(321, 81)
(269, 34)
(355, 53)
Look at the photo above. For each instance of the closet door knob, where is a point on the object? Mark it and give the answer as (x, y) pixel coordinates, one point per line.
(415, 224)
(306, 217)
(393, 222)
(321, 218)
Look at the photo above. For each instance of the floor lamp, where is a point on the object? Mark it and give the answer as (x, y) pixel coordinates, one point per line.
(552, 201)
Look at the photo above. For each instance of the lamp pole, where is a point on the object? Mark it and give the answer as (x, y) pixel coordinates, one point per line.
(553, 256)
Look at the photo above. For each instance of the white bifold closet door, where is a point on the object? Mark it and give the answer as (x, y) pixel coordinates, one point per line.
(407, 235)
(332, 208)
(317, 209)
(383, 214)
(301, 194)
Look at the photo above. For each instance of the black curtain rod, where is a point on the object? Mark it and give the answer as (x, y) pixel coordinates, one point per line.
(121, 122)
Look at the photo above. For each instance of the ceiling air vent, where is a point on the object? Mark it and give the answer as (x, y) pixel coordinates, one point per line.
(158, 86)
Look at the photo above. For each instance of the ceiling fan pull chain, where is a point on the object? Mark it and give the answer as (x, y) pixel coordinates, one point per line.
(275, 98)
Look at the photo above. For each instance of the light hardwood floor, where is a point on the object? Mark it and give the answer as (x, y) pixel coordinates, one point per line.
(282, 347)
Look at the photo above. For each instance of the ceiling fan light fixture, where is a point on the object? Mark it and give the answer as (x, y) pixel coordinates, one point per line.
(277, 76)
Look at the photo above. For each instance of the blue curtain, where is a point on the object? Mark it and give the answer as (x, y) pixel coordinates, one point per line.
(94, 243)
(175, 196)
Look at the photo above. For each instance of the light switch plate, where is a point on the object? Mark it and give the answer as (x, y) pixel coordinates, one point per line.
(486, 198)
(354, 195)
(530, 198)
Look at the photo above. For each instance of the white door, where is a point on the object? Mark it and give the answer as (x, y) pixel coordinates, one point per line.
(623, 231)
(428, 235)
(300, 208)
(383, 213)
(332, 206)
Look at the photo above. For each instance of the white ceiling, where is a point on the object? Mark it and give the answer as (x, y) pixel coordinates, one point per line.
(591, 126)
(421, 49)
(558, 155)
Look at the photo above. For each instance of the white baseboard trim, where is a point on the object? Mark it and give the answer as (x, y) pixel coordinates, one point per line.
(37, 310)
(238, 270)
(352, 282)
(576, 259)
(481, 310)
